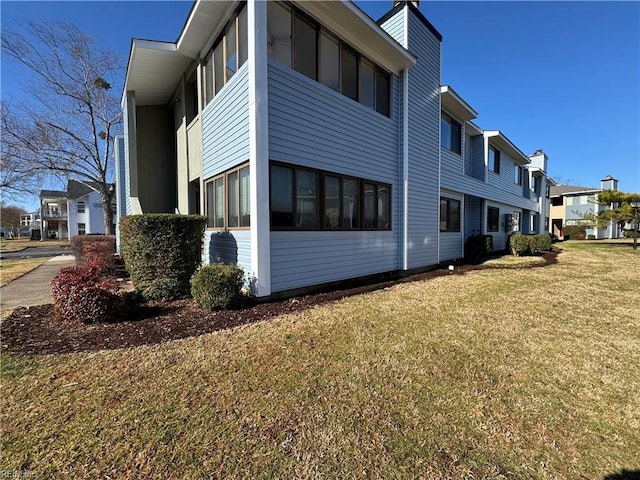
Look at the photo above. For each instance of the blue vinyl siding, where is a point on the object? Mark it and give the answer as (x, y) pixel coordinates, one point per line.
(225, 126)
(473, 216)
(504, 181)
(395, 27)
(228, 247)
(450, 243)
(424, 146)
(311, 125)
(478, 169)
(500, 237)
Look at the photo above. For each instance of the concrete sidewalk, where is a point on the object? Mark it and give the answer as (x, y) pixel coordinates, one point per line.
(33, 288)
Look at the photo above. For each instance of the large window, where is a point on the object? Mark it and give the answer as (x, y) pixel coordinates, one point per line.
(449, 215)
(227, 199)
(518, 175)
(450, 133)
(299, 42)
(228, 53)
(494, 160)
(309, 199)
(493, 219)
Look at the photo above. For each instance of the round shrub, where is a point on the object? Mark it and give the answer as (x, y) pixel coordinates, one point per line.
(519, 244)
(161, 252)
(218, 287)
(540, 243)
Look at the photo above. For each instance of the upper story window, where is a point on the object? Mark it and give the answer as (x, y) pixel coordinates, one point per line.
(299, 42)
(81, 207)
(229, 52)
(450, 133)
(535, 184)
(548, 191)
(518, 175)
(494, 160)
(556, 201)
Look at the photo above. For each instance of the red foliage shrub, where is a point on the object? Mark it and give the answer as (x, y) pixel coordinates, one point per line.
(82, 294)
(80, 242)
(99, 256)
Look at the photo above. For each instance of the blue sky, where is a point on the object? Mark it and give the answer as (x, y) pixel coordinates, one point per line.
(561, 76)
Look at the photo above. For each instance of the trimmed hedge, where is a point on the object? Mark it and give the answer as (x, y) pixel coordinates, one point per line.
(218, 286)
(80, 242)
(529, 244)
(100, 257)
(82, 294)
(162, 252)
(478, 246)
(574, 233)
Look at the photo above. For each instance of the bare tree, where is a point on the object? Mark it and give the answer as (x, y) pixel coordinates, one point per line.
(67, 123)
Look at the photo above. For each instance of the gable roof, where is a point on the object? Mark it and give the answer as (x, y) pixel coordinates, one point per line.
(52, 194)
(558, 190)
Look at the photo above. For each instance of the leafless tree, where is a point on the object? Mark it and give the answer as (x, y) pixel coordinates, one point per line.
(65, 125)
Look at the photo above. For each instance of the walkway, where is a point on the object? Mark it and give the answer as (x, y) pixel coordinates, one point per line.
(33, 288)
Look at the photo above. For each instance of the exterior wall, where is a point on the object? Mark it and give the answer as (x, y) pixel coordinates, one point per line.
(228, 247)
(478, 168)
(451, 243)
(311, 125)
(395, 27)
(500, 237)
(504, 181)
(473, 216)
(424, 145)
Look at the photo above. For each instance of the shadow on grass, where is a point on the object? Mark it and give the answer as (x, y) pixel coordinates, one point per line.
(624, 475)
(36, 330)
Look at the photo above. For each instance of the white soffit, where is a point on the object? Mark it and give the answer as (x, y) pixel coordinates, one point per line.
(454, 104)
(357, 29)
(503, 143)
(154, 71)
(203, 20)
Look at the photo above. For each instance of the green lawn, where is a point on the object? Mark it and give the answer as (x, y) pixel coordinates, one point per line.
(498, 373)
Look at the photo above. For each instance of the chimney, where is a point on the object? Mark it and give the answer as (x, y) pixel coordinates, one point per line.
(415, 3)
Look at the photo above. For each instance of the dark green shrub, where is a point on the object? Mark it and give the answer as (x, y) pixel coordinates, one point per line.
(575, 233)
(161, 252)
(218, 286)
(79, 242)
(519, 244)
(629, 234)
(540, 242)
(478, 246)
(591, 237)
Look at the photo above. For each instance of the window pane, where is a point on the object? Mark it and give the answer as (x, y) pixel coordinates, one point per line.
(304, 47)
(208, 78)
(455, 136)
(331, 202)
(231, 58)
(232, 199)
(281, 196)
(383, 93)
(384, 208)
(369, 205)
(349, 73)
(492, 159)
(350, 203)
(329, 74)
(367, 84)
(279, 33)
(454, 215)
(306, 195)
(243, 37)
(210, 204)
(444, 214)
(80, 207)
(245, 207)
(445, 132)
(218, 67)
(218, 215)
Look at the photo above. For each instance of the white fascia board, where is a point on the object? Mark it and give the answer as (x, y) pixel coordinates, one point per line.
(456, 104)
(502, 142)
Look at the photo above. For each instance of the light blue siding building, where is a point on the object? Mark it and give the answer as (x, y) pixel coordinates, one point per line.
(319, 143)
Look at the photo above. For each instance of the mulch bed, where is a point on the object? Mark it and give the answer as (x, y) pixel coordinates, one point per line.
(35, 330)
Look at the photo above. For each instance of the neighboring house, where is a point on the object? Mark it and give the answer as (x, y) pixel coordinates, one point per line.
(569, 203)
(76, 211)
(319, 144)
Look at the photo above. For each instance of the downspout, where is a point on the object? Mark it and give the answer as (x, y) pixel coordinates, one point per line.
(405, 149)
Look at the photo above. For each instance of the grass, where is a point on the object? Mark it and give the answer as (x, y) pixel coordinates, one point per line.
(10, 269)
(17, 244)
(516, 372)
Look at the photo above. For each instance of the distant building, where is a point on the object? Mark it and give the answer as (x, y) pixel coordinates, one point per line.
(570, 202)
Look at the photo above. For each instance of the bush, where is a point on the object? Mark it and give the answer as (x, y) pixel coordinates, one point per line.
(161, 252)
(218, 287)
(524, 244)
(591, 237)
(100, 257)
(79, 243)
(576, 233)
(629, 234)
(478, 246)
(519, 244)
(81, 294)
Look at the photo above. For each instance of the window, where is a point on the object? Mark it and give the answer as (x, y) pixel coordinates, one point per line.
(309, 199)
(518, 175)
(82, 228)
(546, 224)
(557, 201)
(313, 51)
(227, 199)
(534, 222)
(80, 207)
(547, 191)
(535, 184)
(228, 54)
(515, 221)
(449, 215)
(494, 160)
(450, 133)
(493, 219)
